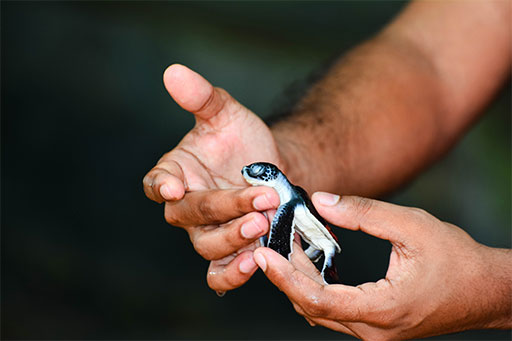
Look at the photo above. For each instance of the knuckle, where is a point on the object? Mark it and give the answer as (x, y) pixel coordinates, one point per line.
(226, 102)
(242, 201)
(223, 97)
(208, 101)
(172, 217)
(363, 207)
(232, 240)
(419, 212)
(207, 210)
(203, 249)
(419, 215)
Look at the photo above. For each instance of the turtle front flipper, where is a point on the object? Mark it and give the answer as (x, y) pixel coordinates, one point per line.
(282, 230)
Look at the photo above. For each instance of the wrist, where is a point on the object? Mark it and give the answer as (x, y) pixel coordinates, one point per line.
(497, 275)
(475, 292)
(292, 161)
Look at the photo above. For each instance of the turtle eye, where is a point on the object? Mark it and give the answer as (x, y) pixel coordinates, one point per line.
(257, 170)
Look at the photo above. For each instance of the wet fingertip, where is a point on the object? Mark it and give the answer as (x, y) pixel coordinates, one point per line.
(147, 181)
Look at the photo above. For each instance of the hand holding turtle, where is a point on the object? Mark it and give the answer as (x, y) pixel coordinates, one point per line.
(439, 279)
(193, 178)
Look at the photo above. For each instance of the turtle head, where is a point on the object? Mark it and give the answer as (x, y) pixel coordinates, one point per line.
(261, 173)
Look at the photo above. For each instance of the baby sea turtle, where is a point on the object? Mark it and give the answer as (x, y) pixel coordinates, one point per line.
(295, 213)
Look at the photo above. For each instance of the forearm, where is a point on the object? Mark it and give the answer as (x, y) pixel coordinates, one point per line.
(394, 104)
(368, 125)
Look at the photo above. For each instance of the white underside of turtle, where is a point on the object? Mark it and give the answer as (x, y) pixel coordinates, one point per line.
(296, 213)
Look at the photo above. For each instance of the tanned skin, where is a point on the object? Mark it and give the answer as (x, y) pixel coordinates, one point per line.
(381, 114)
(396, 103)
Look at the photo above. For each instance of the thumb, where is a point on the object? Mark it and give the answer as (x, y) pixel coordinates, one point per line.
(284, 274)
(196, 95)
(337, 301)
(380, 219)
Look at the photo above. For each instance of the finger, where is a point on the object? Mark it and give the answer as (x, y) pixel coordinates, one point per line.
(213, 207)
(338, 302)
(219, 242)
(331, 324)
(224, 277)
(311, 323)
(380, 219)
(301, 262)
(296, 241)
(334, 325)
(295, 284)
(165, 181)
(195, 94)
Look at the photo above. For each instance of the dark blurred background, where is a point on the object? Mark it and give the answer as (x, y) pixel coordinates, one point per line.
(85, 115)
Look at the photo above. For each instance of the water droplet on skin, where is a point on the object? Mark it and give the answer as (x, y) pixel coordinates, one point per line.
(314, 299)
(220, 293)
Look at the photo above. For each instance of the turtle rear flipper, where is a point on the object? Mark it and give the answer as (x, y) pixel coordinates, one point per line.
(313, 253)
(329, 271)
(282, 230)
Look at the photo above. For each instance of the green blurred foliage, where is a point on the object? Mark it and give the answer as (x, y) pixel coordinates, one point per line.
(84, 116)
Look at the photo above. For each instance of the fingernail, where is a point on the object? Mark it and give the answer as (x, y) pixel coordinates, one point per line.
(261, 261)
(247, 265)
(251, 229)
(165, 192)
(327, 199)
(262, 203)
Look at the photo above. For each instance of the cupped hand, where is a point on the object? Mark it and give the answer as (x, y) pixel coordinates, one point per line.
(200, 181)
(439, 279)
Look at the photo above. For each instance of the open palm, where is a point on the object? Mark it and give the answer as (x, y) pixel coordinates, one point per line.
(200, 179)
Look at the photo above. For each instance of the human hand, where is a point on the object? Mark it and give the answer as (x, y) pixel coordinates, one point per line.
(439, 279)
(193, 178)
